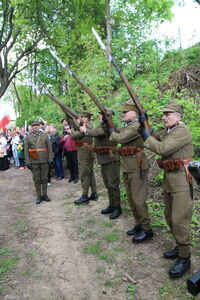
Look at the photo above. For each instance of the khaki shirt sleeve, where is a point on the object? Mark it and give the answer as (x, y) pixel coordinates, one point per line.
(173, 141)
(76, 134)
(95, 132)
(128, 134)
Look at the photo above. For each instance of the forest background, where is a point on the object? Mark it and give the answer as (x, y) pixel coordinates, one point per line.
(156, 72)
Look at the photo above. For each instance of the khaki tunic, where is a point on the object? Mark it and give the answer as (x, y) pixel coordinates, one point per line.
(110, 169)
(86, 161)
(40, 165)
(135, 184)
(176, 143)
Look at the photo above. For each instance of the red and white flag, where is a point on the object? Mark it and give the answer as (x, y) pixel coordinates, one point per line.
(4, 119)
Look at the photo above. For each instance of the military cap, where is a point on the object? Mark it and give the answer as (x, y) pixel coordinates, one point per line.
(109, 111)
(86, 114)
(129, 105)
(35, 123)
(172, 107)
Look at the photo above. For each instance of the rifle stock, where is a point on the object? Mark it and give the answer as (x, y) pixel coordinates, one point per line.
(124, 79)
(86, 89)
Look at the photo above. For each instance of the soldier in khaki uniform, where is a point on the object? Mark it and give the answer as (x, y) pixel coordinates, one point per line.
(38, 156)
(86, 160)
(174, 145)
(108, 158)
(135, 172)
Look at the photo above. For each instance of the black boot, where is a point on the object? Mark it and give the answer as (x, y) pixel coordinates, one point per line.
(116, 213)
(83, 199)
(75, 180)
(136, 229)
(46, 198)
(180, 267)
(171, 254)
(39, 200)
(71, 179)
(142, 236)
(107, 210)
(93, 196)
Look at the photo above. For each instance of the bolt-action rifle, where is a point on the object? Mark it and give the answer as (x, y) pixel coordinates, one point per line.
(142, 114)
(101, 107)
(194, 168)
(70, 114)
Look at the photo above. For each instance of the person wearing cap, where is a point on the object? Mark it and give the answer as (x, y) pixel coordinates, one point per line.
(174, 144)
(135, 171)
(85, 160)
(38, 157)
(108, 158)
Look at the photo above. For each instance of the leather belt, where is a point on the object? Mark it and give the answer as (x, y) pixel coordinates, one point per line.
(103, 149)
(38, 150)
(129, 150)
(175, 164)
(83, 143)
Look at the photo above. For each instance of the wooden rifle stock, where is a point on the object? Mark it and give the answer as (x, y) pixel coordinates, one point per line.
(86, 89)
(124, 79)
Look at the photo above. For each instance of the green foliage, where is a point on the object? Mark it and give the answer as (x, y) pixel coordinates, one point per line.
(159, 178)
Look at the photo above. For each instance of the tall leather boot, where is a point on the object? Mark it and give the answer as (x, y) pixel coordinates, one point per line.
(180, 267)
(117, 211)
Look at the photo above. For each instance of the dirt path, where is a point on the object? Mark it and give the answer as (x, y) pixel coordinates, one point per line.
(70, 252)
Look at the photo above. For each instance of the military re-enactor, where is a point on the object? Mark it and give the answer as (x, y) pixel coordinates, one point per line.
(174, 145)
(135, 171)
(85, 160)
(38, 156)
(108, 158)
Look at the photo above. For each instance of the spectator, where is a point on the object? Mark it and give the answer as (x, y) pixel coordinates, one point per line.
(20, 153)
(70, 150)
(15, 141)
(55, 141)
(4, 163)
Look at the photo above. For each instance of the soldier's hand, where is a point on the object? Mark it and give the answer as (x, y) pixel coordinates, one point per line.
(29, 166)
(145, 133)
(142, 118)
(112, 129)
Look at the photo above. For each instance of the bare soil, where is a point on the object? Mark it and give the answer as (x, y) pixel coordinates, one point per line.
(74, 252)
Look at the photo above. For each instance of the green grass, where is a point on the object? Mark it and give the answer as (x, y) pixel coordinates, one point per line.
(107, 224)
(111, 237)
(67, 203)
(31, 254)
(21, 226)
(7, 262)
(112, 283)
(132, 291)
(107, 256)
(93, 249)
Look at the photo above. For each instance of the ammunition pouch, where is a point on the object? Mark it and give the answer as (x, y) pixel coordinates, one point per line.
(34, 152)
(175, 164)
(103, 149)
(129, 150)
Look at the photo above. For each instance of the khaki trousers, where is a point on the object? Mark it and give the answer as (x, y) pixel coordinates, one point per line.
(40, 178)
(178, 214)
(86, 174)
(137, 190)
(111, 177)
